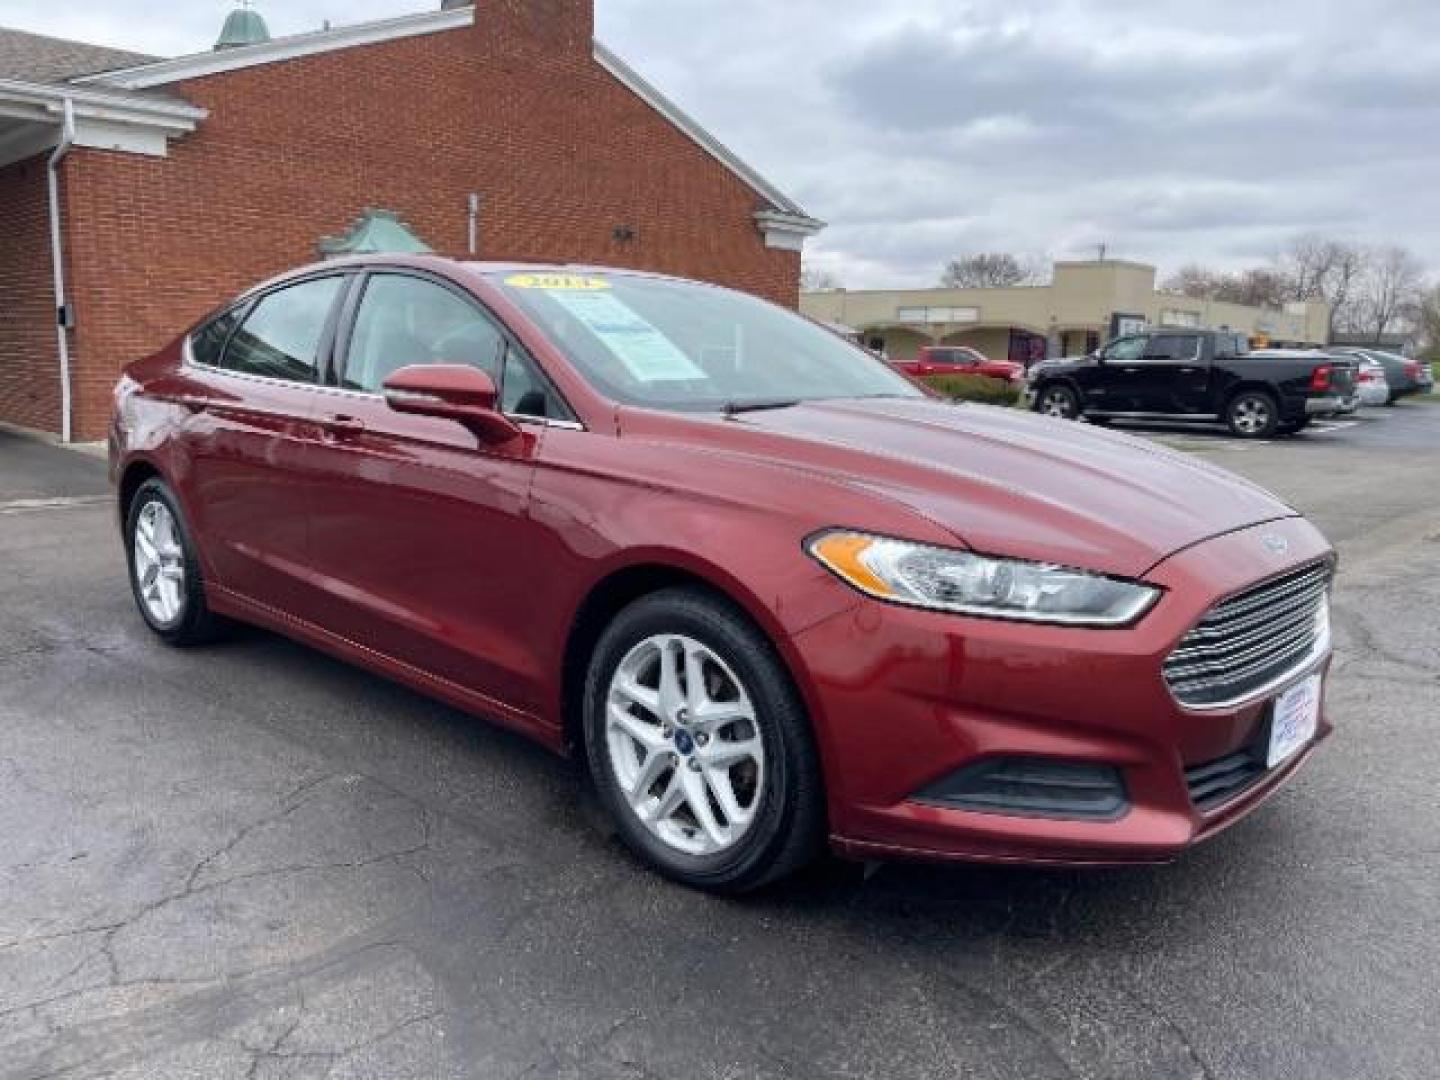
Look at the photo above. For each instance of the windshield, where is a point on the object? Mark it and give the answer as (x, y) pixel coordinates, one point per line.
(683, 346)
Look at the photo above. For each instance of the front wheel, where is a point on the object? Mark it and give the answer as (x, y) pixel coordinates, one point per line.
(164, 569)
(1252, 414)
(1058, 401)
(700, 746)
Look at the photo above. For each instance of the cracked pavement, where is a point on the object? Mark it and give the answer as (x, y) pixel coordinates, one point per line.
(251, 861)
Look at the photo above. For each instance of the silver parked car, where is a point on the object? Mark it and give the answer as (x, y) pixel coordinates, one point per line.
(1373, 386)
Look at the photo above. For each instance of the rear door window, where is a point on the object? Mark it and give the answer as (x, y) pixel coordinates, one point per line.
(1173, 349)
(282, 336)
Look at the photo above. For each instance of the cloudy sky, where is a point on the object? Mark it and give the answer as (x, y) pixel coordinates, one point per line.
(1208, 130)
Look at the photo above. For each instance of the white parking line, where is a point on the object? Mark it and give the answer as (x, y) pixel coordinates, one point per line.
(30, 506)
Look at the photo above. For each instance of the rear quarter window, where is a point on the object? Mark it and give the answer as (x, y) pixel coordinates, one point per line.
(207, 344)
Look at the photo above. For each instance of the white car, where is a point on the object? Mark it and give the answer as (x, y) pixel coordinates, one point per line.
(1373, 386)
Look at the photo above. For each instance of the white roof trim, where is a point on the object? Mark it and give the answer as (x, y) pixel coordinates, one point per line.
(787, 232)
(200, 65)
(46, 101)
(687, 124)
(104, 119)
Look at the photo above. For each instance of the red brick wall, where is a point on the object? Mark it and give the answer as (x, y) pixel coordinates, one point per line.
(29, 368)
(514, 108)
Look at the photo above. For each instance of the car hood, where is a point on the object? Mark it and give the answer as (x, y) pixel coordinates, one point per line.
(1008, 482)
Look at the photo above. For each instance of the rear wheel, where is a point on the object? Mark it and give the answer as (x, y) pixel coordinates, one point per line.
(1058, 401)
(1252, 414)
(164, 570)
(700, 747)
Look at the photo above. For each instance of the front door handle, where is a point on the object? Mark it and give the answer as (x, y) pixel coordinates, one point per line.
(342, 425)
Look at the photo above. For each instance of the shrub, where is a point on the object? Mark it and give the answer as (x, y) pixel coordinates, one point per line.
(975, 388)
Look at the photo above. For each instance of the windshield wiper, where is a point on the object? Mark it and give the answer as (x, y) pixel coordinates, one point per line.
(735, 408)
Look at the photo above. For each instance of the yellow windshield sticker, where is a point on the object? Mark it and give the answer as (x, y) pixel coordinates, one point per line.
(558, 282)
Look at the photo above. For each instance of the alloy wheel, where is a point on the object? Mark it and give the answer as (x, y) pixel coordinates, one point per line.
(1059, 404)
(159, 562)
(1251, 415)
(684, 745)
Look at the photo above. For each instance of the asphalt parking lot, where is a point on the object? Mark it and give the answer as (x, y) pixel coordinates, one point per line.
(251, 861)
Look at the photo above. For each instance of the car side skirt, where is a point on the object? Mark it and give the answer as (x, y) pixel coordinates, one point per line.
(235, 606)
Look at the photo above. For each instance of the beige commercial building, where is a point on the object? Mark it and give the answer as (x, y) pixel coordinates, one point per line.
(1085, 304)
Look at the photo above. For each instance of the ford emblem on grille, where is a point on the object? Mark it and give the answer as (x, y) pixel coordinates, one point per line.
(1277, 544)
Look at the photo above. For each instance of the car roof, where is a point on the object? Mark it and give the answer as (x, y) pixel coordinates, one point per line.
(443, 264)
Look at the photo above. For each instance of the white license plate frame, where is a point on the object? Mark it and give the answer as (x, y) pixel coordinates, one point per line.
(1294, 720)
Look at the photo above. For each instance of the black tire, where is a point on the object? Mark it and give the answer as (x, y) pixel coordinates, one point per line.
(1059, 401)
(194, 624)
(788, 830)
(1253, 414)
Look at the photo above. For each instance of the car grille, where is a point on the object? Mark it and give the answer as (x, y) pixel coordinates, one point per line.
(1252, 640)
(1217, 782)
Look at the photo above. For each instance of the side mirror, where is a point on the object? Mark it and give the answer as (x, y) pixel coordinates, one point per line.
(451, 392)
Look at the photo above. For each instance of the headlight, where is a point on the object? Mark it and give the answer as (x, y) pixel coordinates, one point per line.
(960, 581)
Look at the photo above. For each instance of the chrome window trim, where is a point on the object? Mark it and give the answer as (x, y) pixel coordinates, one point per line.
(188, 357)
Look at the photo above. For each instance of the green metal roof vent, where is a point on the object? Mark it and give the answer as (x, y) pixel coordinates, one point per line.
(243, 27)
(375, 232)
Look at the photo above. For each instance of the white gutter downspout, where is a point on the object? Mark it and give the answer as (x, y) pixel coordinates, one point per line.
(57, 257)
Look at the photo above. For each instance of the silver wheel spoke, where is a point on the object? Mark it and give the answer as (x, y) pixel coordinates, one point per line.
(648, 736)
(672, 699)
(697, 798)
(723, 755)
(654, 768)
(633, 692)
(720, 783)
(662, 808)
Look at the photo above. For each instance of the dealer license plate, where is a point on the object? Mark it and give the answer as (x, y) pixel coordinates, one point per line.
(1294, 721)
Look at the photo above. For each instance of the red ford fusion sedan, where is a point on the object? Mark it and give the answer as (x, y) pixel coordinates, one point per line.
(774, 593)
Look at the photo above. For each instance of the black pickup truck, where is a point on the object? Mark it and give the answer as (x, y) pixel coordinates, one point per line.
(1197, 376)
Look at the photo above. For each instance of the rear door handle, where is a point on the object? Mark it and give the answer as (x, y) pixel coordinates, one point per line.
(343, 425)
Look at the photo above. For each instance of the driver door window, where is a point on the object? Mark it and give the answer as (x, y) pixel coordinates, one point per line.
(406, 320)
(1125, 350)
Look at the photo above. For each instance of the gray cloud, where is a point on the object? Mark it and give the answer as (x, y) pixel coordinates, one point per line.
(1168, 130)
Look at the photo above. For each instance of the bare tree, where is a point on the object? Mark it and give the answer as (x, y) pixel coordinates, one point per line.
(1427, 318)
(1319, 268)
(989, 270)
(1388, 292)
(817, 279)
(1196, 281)
(1256, 287)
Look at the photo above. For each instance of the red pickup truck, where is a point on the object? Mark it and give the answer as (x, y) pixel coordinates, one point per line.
(958, 360)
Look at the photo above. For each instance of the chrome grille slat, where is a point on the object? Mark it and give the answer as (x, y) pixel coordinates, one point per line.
(1243, 644)
(1249, 662)
(1208, 630)
(1228, 649)
(1266, 595)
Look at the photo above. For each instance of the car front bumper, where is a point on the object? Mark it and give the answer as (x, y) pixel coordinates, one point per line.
(909, 697)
